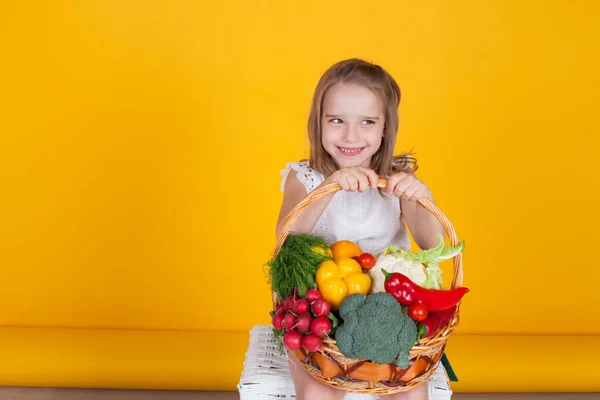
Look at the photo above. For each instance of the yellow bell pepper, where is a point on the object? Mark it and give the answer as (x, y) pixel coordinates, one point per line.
(322, 251)
(339, 278)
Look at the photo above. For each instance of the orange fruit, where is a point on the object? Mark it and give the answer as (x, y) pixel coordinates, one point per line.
(345, 248)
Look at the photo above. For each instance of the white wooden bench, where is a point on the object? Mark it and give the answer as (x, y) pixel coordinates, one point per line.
(266, 374)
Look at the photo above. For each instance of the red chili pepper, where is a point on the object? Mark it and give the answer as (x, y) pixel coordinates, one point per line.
(434, 322)
(407, 292)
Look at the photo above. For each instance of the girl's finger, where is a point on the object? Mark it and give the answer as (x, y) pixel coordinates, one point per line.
(421, 193)
(373, 178)
(352, 182)
(363, 183)
(392, 182)
(402, 179)
(402, 186)
(372, 175)
(354, 176)
(343, 181)
(411, 192)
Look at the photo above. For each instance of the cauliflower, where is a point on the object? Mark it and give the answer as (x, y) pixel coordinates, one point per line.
(422, 268)
(414, 270)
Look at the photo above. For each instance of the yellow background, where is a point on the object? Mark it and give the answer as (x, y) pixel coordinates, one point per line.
(141, 144)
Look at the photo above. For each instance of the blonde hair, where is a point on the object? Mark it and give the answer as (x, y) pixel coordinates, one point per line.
(375, 78)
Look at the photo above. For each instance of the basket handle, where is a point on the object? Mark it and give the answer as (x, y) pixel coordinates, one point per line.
(429, 205)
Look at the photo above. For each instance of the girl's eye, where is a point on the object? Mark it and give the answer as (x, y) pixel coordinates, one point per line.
(336, 120)
(368, 122)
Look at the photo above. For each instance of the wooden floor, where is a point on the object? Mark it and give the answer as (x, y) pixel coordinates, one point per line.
(14, 393)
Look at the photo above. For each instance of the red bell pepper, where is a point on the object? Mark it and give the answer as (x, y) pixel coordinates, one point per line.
(407, 292)
(434, 322)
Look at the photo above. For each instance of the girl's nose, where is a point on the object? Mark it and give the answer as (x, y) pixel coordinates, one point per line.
(350, 134)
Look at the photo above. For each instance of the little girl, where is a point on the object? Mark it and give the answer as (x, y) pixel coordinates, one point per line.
(352, 128)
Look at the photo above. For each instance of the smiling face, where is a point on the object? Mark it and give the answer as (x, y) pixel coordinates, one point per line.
(352, 124)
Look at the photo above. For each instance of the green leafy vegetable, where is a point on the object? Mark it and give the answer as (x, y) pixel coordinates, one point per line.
(439, 253)
(296, 264)
(277, 336)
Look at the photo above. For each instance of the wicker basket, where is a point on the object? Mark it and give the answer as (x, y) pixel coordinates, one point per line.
(266, 373)
(331, 367)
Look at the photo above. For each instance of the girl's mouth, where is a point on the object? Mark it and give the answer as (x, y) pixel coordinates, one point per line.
(350, 151)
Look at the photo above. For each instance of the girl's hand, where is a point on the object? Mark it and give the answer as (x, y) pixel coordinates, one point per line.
(354, 178)
(407, 186)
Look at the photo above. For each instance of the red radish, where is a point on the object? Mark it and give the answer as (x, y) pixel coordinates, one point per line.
(288, 321)
(321, 308)
(279, 309)
(300, 307)
(303, 322)
(321, 326)
(313, 295)
(288, 304)
(277, 320)
(311, 342)
(292, 340)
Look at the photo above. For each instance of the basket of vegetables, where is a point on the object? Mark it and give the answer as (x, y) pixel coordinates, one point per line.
(364, 323)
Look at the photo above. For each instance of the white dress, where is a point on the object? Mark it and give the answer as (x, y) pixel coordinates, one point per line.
(365, 218)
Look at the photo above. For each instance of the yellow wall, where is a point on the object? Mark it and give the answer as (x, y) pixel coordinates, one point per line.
(141, 144)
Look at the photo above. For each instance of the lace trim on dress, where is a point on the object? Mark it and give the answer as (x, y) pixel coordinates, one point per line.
(305, 174)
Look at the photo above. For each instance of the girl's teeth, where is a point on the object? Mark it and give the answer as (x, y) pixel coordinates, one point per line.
(350, 151)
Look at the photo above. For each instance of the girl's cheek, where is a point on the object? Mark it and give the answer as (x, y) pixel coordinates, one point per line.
(374, 134)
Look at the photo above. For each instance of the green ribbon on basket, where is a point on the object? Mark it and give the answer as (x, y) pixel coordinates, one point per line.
(446, 363)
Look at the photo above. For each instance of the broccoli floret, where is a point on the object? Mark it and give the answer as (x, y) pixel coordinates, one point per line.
(352, 304)
(407, 335)
(375, 328)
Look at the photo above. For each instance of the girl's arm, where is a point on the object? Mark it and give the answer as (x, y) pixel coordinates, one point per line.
(423, 225)
(293, 193)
